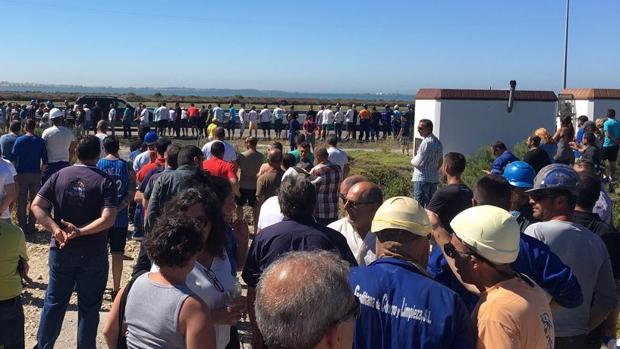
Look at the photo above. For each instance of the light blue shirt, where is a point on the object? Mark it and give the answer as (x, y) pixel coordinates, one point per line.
(613, 127)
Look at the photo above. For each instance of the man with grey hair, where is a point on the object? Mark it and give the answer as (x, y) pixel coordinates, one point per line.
(320, 314)
(298, 232)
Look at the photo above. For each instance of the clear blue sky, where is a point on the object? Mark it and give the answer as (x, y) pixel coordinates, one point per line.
(311, 46)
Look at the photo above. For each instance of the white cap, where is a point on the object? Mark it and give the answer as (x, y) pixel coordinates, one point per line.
(56, 113)
(490, 231)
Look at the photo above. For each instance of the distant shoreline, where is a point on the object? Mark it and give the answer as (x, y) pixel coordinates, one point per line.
(32, 88)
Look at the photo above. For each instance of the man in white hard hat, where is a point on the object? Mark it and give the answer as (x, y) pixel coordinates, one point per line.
(513, 311)
(429, 314)
(60, 144)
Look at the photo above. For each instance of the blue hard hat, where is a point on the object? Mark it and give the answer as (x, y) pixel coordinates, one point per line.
(520, 174)
(150, 137)
(558, 177)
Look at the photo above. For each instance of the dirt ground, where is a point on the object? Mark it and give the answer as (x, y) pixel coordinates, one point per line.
(33, 295)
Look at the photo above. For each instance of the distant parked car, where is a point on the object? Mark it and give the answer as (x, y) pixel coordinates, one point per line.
(104, 104)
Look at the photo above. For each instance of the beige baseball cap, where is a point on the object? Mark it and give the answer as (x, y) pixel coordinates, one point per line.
(490, 231)
(401, 212)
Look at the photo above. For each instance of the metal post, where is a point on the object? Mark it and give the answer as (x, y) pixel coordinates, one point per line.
(566, 43)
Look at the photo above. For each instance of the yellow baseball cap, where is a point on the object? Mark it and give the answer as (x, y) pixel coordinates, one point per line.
(401, 212)
(490, 231)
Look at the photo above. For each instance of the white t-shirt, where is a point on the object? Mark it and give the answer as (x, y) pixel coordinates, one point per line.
(291, 171)
(6, 177)
(164, 113)
(218, 113)
(265, 115)
(87, 114)
(203, 286)
(319, 117)
(184, 114)
(363, 249)
(242, 116)
(338, 157)
(230, 154)
(349, 116)
(101, 137)
(173, 114)
(57, 141)
(270, 213)
(328, 117)
(144, 117)
(112, 115)
(339, 117)
(253, 116)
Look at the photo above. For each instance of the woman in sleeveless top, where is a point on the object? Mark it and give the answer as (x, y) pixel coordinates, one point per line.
(161, 311)
(563, 136)
(213, 278)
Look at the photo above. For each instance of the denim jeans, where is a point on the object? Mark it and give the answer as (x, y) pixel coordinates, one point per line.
(11, 323)
(87, 273)
(423, 191)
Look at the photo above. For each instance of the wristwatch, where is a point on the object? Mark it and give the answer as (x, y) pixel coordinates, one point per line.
(78, 232)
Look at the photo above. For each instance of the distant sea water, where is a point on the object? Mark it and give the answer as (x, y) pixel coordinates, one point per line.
(210, 92)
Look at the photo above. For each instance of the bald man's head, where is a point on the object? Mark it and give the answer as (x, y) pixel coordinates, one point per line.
(301, 296)
(350, 181)
(361, 203)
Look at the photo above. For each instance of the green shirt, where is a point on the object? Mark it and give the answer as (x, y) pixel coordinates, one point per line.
(12, 247)
(297, 154)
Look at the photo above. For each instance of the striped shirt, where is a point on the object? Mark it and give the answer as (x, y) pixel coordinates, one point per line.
(330, 176)
(427, 159)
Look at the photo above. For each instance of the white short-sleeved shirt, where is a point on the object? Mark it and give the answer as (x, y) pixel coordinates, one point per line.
(270, 213)
(6, 177)
(265, 115)
(363, 249)
(338, 157)
(230, 154)
(57, 141)
(328, 117)
(253, 115)
(112, 115)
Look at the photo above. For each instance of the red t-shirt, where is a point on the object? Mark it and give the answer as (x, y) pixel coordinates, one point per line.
(159, 162)
(220, 168)
(192, 112)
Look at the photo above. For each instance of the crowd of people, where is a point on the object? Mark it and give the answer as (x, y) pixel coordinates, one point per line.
(526, 258)
(191, 121)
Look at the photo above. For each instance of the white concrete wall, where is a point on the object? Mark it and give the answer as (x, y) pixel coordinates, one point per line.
(584, 107)
(467, 125)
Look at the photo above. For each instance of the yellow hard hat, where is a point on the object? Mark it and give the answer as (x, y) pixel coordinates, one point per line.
(490, 231)
(401, 212)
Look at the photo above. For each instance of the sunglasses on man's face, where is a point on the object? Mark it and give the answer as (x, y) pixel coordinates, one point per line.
(452, 252)
(541, 196)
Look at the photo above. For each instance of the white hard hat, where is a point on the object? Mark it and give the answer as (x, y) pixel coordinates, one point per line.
(489, 231)
(56, 113)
